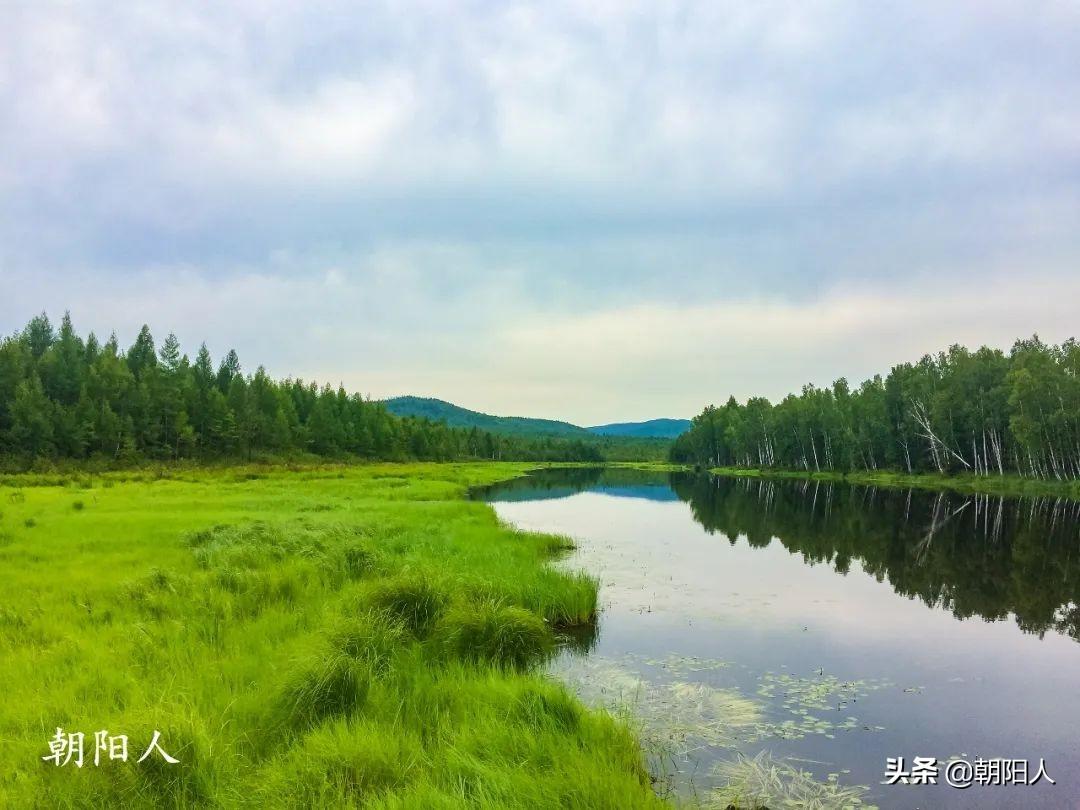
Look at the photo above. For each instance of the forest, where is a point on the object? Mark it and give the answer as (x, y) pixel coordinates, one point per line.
(980, 412)
(65, 397)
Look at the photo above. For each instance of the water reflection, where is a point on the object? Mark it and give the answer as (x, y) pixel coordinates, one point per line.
(974, 555)
(560, 482)
(814, 629)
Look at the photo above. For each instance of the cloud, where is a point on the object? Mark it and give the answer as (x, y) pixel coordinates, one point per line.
(637, 360)
(710, 99)
(407, 197)
(342, 130)
(417, 321)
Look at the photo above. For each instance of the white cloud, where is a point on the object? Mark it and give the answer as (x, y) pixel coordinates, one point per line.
(638, 361)
(343, 131)
(414, 319)
(720, 99)
(592, 211)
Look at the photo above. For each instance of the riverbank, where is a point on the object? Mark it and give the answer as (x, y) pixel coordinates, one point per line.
(313, 637)
(1008, 485)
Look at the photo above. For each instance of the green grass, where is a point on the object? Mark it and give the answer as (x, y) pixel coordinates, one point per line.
(305, 637)
(1007, 485)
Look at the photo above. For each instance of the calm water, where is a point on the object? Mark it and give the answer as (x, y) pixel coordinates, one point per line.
(826, 627)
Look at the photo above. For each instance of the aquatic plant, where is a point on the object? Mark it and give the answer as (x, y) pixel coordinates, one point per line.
(763, 781)
(674, 717)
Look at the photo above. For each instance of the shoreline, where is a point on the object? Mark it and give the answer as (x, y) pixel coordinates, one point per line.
(1006, 486)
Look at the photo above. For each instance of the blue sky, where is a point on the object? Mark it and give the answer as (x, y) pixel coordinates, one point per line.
(595, 214)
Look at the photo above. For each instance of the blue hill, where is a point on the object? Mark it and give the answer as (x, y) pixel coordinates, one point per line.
(653, 428)
(438, 410)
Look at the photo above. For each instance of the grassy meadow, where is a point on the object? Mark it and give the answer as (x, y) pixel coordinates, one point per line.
(318, 637)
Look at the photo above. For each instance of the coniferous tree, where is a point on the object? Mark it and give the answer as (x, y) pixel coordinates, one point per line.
(227, 371)
(39, 335)
(31, 418)
(141, 357)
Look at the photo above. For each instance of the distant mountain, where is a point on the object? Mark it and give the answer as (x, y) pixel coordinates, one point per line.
(653, 428)
(438, 410)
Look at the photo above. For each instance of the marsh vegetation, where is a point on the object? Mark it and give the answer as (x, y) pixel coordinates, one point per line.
(308, 638)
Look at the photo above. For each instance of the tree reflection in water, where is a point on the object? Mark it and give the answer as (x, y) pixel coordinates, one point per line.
(974, 555)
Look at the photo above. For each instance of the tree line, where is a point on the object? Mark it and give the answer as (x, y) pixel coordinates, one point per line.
(983, 412)
(62, 396)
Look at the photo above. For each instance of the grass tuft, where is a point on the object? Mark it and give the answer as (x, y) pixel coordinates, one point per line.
(374, 639)
(348, 760)
(358, 561)
(557, 544)
(416, 600)
(332, 685)
(189, 783)
(490, 633)
(550, 705)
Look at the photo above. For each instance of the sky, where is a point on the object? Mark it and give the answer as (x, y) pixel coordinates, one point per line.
(595, 212)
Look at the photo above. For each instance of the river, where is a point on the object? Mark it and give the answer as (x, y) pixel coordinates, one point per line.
(780, 640)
